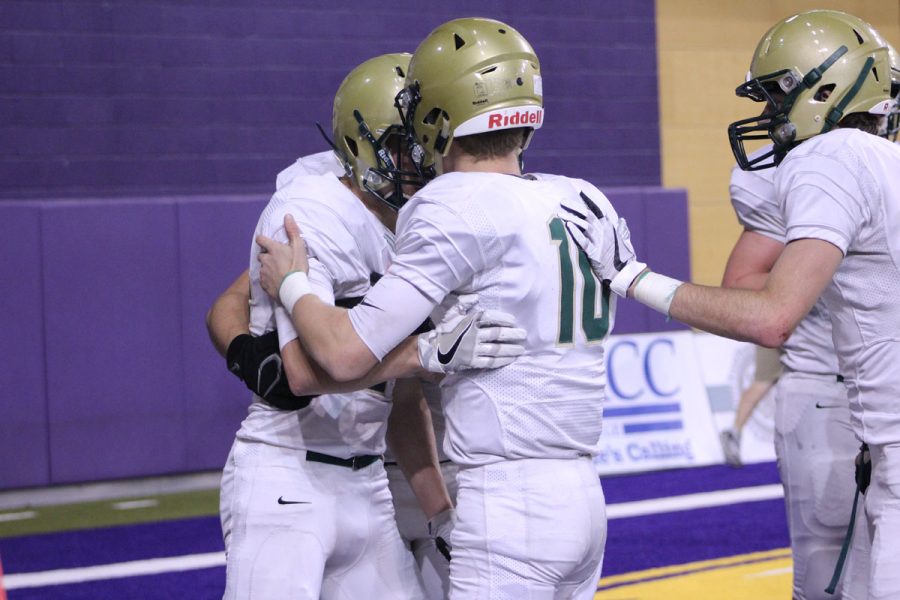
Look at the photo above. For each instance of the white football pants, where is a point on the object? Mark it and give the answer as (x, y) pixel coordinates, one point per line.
(815, 446)
(883, 522)
(296, 529)
(434, 568)
(530, 529)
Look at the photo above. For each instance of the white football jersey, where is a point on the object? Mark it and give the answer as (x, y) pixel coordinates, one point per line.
(810, 348)
(347, 245)
(844, 187)
(321, 163)
(499, 236)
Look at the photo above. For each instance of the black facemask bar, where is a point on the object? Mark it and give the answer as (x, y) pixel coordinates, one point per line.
(386, 171)
(893, 118)
(775, 125)
(406, 101)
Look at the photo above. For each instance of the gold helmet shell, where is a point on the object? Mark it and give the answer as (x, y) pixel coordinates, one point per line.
(471, 76)
(365, 121)
(813, 68)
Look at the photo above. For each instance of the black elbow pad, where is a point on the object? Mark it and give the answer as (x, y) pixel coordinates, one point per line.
(256, 360)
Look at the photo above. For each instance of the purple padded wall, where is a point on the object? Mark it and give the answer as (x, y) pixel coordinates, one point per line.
(24, 454)
(667, 250)
(214, 241)
(658, 221)
(147, 98)
(113, 339)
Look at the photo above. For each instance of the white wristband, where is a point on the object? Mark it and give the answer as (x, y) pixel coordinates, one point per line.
(622, 281)
(656, 291)
(294, 286)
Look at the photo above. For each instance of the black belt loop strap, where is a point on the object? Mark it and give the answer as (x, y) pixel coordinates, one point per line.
(354, 462)
(862, 484)
(839, 378)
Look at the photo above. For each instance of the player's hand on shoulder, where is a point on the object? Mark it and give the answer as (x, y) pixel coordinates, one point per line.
(277, 259)
(469, 337)
(605, 240)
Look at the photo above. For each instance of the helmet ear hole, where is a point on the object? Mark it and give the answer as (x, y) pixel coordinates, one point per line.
(858, 37)
(351, 145)
(432, 116)
(823, 92)
(458, 41)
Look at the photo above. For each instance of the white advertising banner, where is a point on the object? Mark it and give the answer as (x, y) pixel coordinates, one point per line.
(728, 369)
(657, 413)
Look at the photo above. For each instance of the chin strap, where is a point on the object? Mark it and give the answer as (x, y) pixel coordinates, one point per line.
(344, 162)
(837, 113)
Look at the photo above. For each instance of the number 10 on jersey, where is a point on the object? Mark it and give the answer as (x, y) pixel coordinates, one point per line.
(595, 327)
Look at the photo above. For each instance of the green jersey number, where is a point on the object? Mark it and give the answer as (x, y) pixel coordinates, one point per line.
(595, 328)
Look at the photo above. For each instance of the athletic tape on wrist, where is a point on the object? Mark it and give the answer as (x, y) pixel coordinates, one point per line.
(621, 282)
(294, 286)
(656, 291)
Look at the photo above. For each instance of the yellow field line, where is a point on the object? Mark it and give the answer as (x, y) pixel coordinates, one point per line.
(686, 568)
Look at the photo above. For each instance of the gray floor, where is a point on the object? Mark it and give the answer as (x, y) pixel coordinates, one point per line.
(105, 490)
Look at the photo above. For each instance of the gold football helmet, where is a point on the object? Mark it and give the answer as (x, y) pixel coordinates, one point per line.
(812, 69)
(469, 76)
(368, 132)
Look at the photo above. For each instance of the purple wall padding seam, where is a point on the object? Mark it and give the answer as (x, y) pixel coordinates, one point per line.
(24, 420)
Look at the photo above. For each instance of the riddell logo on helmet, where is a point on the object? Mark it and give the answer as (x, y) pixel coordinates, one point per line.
(514, 116)
(525, 117)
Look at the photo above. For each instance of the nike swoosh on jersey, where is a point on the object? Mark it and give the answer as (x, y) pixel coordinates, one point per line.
(281, 500)
(445, 357)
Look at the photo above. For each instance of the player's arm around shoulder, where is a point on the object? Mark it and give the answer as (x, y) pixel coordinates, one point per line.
(410, 435)
(768, 316)
(229, 315)
(324, 330)
(750, 261)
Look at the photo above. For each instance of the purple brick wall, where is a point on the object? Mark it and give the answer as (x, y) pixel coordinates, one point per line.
(147, 97)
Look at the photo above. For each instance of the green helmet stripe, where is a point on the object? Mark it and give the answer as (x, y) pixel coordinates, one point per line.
(837, 112)
(813, 77)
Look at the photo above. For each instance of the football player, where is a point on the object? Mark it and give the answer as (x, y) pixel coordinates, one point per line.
(306, 510)
(409, 426)
(531, 518)
(825, 77)
(814, 441)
